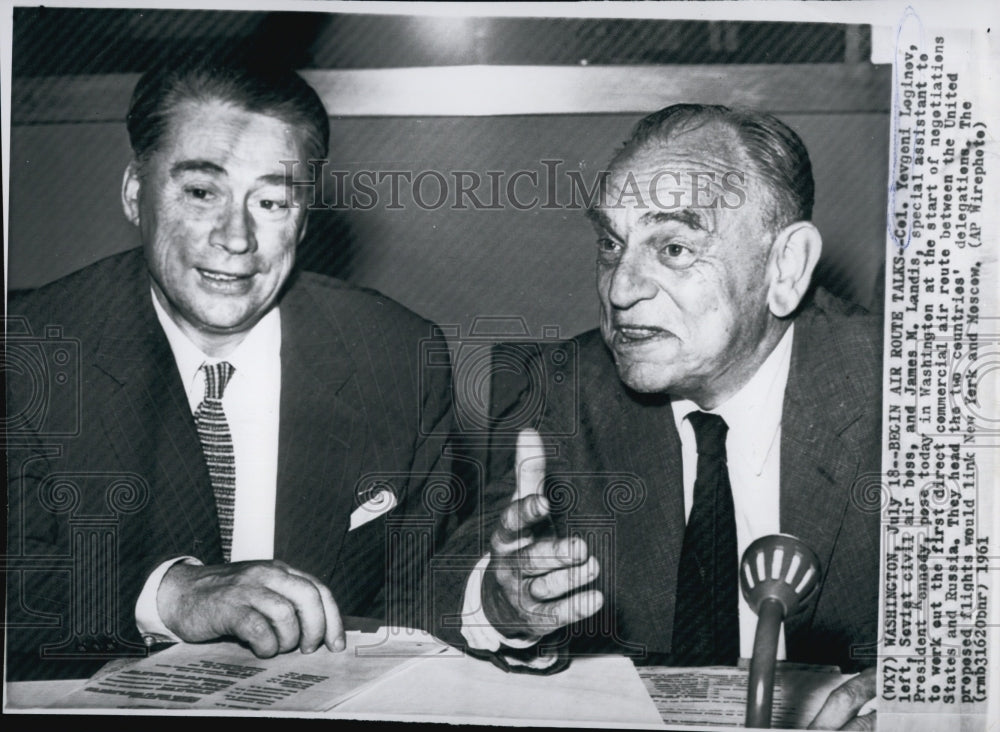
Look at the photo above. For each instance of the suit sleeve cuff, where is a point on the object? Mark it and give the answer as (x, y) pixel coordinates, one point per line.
(477, 630)
(147, 617)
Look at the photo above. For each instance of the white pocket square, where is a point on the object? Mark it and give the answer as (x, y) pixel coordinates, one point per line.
(379, 504)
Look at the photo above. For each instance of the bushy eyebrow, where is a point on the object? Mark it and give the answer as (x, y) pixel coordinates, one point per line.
(196, 166)
(686, 216)
(598, 218)
(207, 166)
(275, 179)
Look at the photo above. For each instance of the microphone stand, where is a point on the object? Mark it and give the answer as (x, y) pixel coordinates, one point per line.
(778, 573)
(760, 685)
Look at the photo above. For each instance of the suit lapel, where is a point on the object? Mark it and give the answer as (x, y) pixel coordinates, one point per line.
(651, 528)
(148, 422)
(817, 465)
(658, 533)
(817, 469)
(322, 437)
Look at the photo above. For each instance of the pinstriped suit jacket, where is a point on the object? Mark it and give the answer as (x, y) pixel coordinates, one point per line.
(354, 412)
(617, 481)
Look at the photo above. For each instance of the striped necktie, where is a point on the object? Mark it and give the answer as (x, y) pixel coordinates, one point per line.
(217, 444)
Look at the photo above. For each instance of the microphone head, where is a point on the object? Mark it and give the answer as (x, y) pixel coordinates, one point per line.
(778, 567)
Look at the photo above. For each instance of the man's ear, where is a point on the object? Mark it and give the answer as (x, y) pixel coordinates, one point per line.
(794, 254)
(130, 192)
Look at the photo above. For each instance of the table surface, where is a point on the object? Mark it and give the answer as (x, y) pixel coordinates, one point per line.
(453, 687)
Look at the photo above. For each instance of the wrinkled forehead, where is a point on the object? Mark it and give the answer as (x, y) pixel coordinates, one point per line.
(705, 169)
(222, 126)
(710, 145)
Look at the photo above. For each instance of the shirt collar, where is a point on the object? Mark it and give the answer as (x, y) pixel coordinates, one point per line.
(753, 413)
(261, 344)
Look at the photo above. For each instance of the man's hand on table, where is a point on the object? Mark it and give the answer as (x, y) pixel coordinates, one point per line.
(840, 711)
(267, 604)
(530, 587)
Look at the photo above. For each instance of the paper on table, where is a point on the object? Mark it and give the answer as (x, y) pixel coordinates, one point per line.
(604, 690)
(716, 696)
(227, 676)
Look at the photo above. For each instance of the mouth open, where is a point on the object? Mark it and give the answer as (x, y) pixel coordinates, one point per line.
(639, 332)
(224, 280)
(636, 336)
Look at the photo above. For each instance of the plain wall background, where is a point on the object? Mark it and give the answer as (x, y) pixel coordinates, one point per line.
(447, 265)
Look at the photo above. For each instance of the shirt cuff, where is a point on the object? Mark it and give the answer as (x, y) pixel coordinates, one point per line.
(147, 617)
(477, 630)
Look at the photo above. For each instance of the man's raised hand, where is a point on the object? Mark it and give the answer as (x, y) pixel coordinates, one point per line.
(267, 604)
(532, 585)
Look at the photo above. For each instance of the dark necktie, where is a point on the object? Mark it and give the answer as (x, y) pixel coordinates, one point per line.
(706, 614)
(217, 444)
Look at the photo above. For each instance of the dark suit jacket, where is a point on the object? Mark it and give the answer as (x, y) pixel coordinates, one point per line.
(616, 480)
(107, 478)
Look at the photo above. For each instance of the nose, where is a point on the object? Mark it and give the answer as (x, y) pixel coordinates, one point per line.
(629, 282)
(234, 230)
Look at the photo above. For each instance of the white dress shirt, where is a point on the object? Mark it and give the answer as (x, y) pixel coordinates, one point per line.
(251, 403)
(753, 454)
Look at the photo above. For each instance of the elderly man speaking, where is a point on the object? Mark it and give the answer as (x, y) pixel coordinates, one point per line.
(723, 399)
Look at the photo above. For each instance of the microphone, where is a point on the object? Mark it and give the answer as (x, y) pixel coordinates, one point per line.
(778, 573)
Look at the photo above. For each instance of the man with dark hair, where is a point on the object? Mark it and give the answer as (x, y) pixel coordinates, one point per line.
(247, 436)
(723, 399)
(253, 85)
